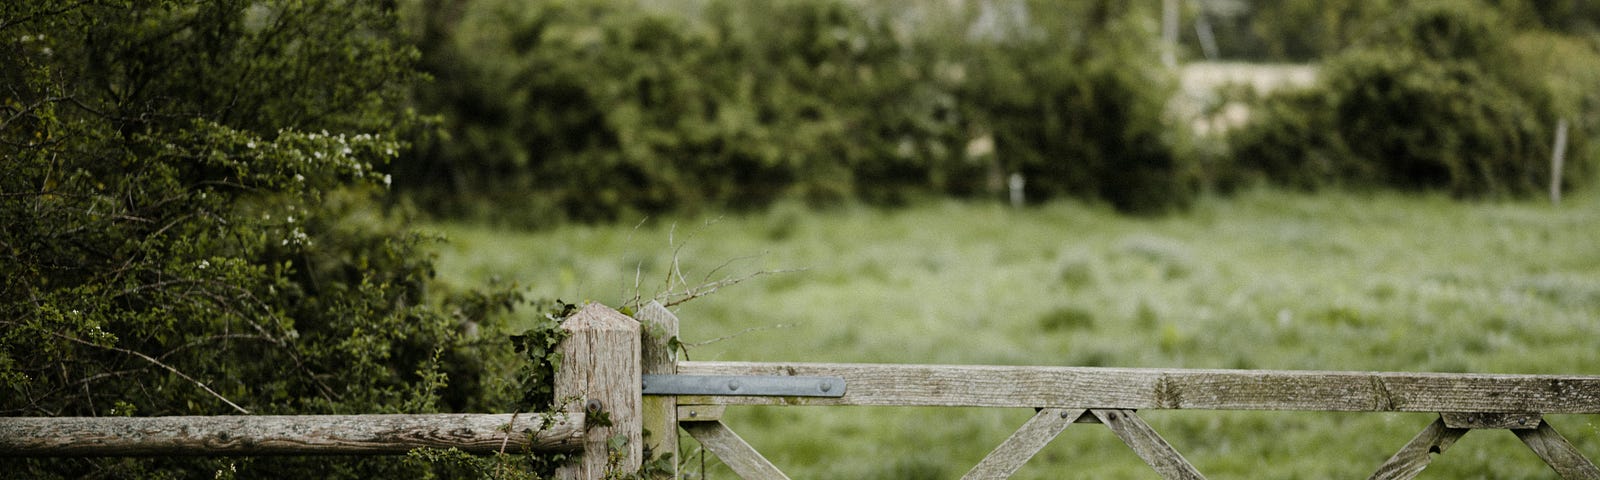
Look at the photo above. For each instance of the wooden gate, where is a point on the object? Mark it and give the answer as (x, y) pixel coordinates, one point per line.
(1112, 396)
(609, 356)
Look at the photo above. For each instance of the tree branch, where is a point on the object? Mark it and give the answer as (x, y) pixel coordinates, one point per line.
(157, 363)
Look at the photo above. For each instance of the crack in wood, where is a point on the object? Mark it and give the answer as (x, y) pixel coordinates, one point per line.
(1167, 395)
(1382, 396)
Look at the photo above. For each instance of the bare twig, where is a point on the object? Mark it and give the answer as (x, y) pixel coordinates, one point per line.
(677, 250)
(212, 338)
(510, 427)
(737, 334)
(725, 264)
(638, 268)
(246, 297)
(677, 253)
(157, 363)
(675, 278)
(673, 299)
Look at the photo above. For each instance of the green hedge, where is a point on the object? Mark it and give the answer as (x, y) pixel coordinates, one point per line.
(191, 228)
(1311, 30)
(594, 109)
(1449, 97)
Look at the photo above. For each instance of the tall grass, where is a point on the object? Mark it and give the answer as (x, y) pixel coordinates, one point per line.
(1265, 280)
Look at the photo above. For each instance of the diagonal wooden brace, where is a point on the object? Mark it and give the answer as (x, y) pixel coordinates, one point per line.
(1144, 441)
(1024, 444)
(1558, 453)
(1543, 439)
(733, 451)
(1418, 453)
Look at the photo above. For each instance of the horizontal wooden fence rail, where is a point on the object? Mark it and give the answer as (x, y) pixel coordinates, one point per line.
(624, 369)
(1157, 388)
(287, 435)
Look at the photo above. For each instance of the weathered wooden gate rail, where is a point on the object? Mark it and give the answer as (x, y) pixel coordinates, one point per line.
(608, 354)
(1158, 388)
(287, 435)
(1068, 395)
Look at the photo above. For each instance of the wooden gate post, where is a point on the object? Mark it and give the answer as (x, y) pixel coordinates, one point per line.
(659, 358)
(599, 375)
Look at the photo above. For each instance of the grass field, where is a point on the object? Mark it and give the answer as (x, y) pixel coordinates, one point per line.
(1271, 280)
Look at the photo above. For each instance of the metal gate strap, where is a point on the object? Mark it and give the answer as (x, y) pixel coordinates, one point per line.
(744, 385)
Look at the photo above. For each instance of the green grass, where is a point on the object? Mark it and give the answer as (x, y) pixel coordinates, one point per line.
(1264, 280)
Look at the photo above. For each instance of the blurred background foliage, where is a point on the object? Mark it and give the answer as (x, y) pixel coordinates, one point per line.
(1307, 31)
(591, 109)
(604, 109)
(1446, 96)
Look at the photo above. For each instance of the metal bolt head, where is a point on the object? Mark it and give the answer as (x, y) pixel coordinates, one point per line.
(1065, 415)
(733, 386)
(593, 406)
(825, 386)
(694, 413)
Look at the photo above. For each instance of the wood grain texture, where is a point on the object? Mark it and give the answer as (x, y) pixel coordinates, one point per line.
(1134, 389)
(1007, 458)
(733, 451)
(1418, 453)
(700, 413)
(286, 435)
(1558, 453)
(1144, 441)
(1515, 421)
(659, 328)
(600, 368)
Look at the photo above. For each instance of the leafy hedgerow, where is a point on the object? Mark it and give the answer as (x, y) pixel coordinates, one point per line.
(189, 228)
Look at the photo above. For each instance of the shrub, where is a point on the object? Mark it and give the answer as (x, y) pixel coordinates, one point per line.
(594, 109)
(590, 110)
(1082, 118)
(190, 228)
(1448, 99)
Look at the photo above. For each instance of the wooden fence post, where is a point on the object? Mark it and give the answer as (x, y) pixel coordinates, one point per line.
(1558, 156)
(659, 358)
(599, 375)
(1169, 33)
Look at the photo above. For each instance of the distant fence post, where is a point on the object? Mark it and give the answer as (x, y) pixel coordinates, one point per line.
(1169, 33)
(1558, 157)
(659, 358)
(599, 375)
